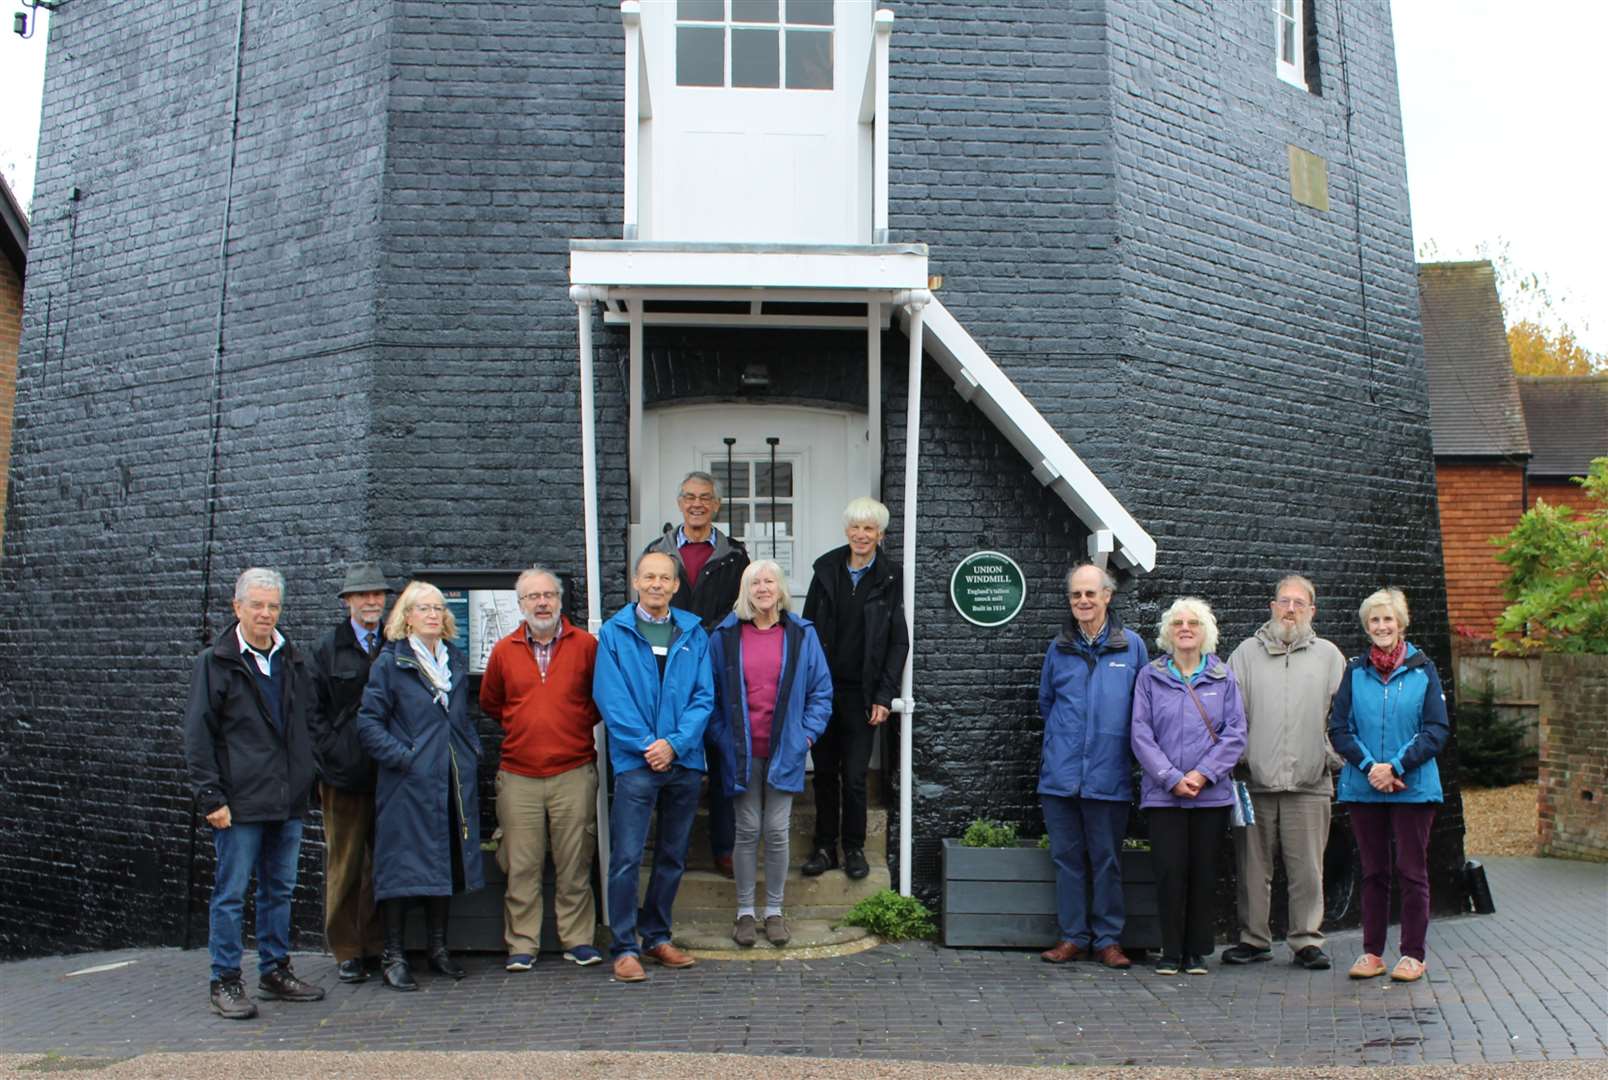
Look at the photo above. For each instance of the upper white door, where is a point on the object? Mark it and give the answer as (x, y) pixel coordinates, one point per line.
(755, 134)
(792, 513)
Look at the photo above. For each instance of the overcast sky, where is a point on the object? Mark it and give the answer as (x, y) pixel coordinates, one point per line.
(1502, 103)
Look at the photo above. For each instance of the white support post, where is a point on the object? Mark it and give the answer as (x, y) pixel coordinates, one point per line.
(879, 131)
(873, 398)
(634, 422)
(583, 297)
(631, 16)
(916, 301)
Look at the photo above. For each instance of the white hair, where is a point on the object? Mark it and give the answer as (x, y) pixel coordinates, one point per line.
(866, 511)
(1188, 605)
(540, 571)
(1108, 581)
(259, 577)
(1392, 600)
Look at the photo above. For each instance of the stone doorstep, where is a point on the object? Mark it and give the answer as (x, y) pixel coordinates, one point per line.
(801, 837)
(705, 896)
(706, 936)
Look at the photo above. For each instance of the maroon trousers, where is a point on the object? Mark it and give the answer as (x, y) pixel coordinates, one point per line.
(1375, 825)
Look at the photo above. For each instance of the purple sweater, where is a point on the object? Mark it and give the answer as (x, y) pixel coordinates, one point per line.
(1169, 738)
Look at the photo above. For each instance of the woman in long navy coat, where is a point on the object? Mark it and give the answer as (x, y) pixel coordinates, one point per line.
(414, 721)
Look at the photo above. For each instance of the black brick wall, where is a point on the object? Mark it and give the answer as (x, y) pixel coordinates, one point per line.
(1102, 184)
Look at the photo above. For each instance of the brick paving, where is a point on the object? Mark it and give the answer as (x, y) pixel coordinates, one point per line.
(1526, 984)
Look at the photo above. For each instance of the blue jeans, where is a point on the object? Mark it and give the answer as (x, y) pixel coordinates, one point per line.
(637, 794)
(1086, 847)
(270, 849)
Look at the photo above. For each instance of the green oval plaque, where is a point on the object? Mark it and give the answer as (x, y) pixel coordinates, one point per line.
(988, 588)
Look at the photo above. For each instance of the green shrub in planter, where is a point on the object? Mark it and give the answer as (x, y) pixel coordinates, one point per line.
(893, 917)
(1490, 747)
(985, 833)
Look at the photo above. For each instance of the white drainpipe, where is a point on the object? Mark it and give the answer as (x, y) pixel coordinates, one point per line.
(584, 295)
(915, 300)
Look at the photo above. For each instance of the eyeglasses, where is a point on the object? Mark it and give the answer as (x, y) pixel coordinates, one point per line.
(1084, 594)
(523, 597)
(707, 498)
(429, 609)
(1193, 624)
(1290, 603)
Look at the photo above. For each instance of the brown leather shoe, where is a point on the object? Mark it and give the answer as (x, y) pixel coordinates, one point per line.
(627, 968)
(1063, 951)
(1112, 956)
(670, 956)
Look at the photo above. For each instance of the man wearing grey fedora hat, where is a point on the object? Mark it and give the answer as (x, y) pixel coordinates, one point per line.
(346, 773)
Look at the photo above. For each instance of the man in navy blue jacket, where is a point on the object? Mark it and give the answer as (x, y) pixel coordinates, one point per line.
(1086, 770)
(655, 689)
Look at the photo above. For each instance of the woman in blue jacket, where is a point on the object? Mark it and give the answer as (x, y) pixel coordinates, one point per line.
(1188, 733)
(1388, 720)
(773, 698)
(414, 722)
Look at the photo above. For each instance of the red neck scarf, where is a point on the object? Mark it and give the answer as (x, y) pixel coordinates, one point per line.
(1385, 662)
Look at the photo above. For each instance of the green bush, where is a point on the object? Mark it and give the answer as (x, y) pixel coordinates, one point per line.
(1044, 841)
(985, 833)
(893, 917)
(1557, 581)
(1490, 747)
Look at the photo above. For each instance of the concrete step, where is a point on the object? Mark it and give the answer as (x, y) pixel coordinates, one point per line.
(801, 831)
(714, 936)
(706, 896)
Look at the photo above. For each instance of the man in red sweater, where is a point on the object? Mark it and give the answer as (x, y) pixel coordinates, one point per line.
(538, 686)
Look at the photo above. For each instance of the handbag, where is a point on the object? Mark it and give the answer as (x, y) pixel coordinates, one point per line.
(1240, 812)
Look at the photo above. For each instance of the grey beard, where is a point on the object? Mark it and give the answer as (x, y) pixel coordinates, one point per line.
(542, 626)
(1290, 634)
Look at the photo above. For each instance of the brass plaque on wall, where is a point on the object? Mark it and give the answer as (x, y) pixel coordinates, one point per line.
(1309, 179)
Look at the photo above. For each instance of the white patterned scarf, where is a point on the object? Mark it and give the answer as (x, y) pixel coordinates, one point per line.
(435, 666)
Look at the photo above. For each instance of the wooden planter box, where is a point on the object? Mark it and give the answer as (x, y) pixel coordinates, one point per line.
(1005, 897)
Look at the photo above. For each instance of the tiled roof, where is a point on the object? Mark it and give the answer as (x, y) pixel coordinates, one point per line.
(1568, 420)
(1473, 396)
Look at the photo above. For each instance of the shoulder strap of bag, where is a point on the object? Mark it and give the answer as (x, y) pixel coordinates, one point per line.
(1203, 717)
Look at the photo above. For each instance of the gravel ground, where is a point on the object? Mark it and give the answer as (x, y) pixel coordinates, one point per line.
(608, 1066)
(1500, 821)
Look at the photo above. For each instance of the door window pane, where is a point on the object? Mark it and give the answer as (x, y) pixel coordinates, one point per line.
(755, 58)
(760, 11)
(733, 485)
(700, 56)
(809, 59)
(784, 480)
(700, 10)
(810, 12)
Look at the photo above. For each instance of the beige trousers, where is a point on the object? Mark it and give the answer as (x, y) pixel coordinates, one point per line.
(538, 815)
(1296, 827)
(351, 925)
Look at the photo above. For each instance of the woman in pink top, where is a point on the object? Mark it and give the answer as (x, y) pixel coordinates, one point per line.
(773, 697)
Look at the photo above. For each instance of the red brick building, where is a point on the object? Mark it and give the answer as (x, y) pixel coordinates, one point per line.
(13, 267)
(1482, 447)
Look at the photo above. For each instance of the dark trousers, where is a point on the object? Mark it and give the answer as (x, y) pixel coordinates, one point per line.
(842, 757)
(1086, 847)
(351, 921)
(722, 812)
(1375, 825)
(1183, 849)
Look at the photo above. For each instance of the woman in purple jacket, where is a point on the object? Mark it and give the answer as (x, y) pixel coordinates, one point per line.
(1188, 733)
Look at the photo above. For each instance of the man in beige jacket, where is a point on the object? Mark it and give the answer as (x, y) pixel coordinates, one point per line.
(1286, 674)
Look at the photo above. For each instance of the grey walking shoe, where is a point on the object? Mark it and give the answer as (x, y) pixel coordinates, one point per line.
(777, 931)
(744, 933)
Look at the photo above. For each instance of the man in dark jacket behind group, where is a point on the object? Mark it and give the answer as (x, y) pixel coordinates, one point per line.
(856, 602)
(709, 568)
(251, 766)
(346, 774)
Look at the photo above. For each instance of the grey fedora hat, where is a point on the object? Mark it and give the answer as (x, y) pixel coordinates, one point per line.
(364, 577)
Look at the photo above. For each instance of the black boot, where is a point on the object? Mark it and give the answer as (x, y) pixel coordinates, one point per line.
(394, 960)
(435, 928)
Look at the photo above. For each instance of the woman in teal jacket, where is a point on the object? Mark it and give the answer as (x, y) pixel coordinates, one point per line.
(1388, 720)
(773, 698)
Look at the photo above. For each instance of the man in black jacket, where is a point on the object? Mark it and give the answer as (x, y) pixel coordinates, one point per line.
(856, 603)
(251, 765)
(346, 774)
(709, 566)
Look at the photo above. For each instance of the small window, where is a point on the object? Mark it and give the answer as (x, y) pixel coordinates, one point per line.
(1290, 36)
(754, 44)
